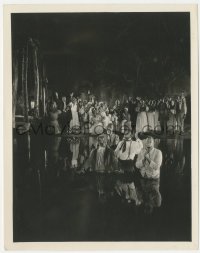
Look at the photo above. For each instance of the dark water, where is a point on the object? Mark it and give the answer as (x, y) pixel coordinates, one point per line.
(55, 201)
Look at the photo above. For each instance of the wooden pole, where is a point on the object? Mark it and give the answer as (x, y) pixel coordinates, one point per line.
(44, 101)
(25, 93)
(36, 79)
(26, 86)
(24, 82)
(23, 71)
(44, 89)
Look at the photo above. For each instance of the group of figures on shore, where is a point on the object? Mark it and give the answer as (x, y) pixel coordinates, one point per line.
(92, 116)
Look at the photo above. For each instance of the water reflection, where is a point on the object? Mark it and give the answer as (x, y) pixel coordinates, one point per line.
(87, 205)
(74, 148)
(150, 194)
(70, 156)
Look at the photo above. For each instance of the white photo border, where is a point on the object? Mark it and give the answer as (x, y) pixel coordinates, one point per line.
(7, 93)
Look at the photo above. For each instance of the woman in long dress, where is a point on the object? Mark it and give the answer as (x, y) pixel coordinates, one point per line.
(150, 116)
(74, 123)
(141, 122)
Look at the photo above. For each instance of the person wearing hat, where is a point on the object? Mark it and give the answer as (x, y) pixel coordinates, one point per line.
(74, 123)
(149, 159)
(126, 151)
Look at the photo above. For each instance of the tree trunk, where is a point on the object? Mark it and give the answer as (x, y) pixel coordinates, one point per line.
(36, 80)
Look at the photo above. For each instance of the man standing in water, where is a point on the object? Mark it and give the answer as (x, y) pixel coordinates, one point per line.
(126, 151)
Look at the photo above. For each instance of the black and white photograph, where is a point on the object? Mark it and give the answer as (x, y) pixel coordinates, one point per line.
(101, 126)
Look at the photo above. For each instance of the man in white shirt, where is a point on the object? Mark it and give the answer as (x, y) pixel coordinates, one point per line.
(127, 148)
(125, 152)
(149, 160)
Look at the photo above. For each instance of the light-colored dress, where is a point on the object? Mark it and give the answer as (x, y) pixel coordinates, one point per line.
(150, 119)
(157, 123)
(75, 120)
(141, 122)
(106, 121)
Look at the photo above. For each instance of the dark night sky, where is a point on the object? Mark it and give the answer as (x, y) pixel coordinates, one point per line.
(108, 46)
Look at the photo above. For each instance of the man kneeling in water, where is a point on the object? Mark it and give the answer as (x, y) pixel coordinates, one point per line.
(148, 163)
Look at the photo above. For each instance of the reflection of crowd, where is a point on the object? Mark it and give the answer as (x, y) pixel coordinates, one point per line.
(91, 116)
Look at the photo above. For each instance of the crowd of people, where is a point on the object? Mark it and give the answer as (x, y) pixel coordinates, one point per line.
(92, 116)
(117, 131)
